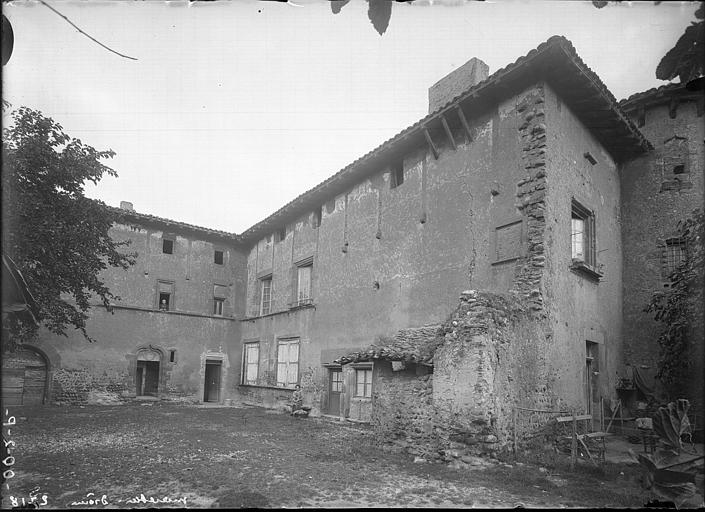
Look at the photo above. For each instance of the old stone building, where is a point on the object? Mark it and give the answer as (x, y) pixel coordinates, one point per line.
(497, 253)
(172, 335)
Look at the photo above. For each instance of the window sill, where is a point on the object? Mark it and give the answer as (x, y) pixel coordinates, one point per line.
(580, 267)
(264, 386)
(302, 305)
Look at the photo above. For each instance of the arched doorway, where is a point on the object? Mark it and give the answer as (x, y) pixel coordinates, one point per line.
(147, 372)
(24, 377)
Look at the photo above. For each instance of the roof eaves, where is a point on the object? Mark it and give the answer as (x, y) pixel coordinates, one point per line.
(356, 170)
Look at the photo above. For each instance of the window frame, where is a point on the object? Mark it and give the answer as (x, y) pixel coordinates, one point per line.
(288, 342)
(166, 287)
(246, 364)
(269, 302)
(170, 240)
(308, 299)
(586, 262)
(366, 385)
(396, 175)
(668, 263)
(218, 303)
(215, 257)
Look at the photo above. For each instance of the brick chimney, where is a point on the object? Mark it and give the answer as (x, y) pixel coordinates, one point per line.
(126, 205)
(456, 82)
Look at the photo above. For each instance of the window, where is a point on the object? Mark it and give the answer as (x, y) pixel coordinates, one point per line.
(265, 303)
(317, 217)
(172, 355)
(281, 234)
(251, 366)
(218, 258)
(303, 288)
(363, 382)
(288, 363)
(218, 306)
(673, 255)
(165, 295)
(336, 381)
(397, 175)
(167, 246)
(582, 234)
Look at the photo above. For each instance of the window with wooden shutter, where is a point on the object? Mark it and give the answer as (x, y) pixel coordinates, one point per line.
(287, 363)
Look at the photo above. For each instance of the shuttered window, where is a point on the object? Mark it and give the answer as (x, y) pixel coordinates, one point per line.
(251, 363)
(287, 363)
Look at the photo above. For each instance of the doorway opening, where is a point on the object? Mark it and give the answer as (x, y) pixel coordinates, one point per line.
(147, 373)
(591, 389)
(335, 388)
(211, 385)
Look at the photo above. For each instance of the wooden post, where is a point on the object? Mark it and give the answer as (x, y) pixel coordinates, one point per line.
(574, 443)
(602, 414)
(514, 432)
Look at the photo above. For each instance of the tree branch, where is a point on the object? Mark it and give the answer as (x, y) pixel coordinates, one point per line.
(82, 32)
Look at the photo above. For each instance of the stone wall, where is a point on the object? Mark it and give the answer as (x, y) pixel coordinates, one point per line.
(402, 415)
(652, 206)
(487, 365)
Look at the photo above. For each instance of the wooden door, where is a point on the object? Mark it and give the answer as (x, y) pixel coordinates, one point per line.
(335, 388)
(12, 386)
(211, 388)
(24, 378)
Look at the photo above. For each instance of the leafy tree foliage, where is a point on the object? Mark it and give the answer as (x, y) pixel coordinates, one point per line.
(680, 308)
(686, 60)
(378, 11)
(57, 237)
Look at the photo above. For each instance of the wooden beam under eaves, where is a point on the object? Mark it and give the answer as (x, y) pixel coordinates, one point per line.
(448, 132)
(433, 147)
(464, 122)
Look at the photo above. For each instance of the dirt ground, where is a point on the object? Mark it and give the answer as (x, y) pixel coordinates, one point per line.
(161, 455)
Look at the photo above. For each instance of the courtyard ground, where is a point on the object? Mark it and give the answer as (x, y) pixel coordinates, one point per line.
(156, 454)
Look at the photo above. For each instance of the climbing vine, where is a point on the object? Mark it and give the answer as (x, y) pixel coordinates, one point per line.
(678, 309)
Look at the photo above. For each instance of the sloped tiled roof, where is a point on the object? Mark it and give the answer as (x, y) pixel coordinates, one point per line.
(658, 95)
(412, 345)
(554, 61)
(133, 216)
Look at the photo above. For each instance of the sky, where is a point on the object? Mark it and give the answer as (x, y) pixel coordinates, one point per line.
(234, 108)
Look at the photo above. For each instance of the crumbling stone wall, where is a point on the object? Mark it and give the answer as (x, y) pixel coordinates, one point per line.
(487, 364)
(402, 416)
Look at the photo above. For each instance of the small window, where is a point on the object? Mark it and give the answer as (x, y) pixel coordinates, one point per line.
(582, 234)
(167, 246)
(281, 234)
(165, 295)
(317, 218)
(218, 258)
(674, 253)
(265, 304)
(363, 383)
(303, 288)
(397, 175)
(251, 366)
(172, 355)
(288, 363)
(679, 169)
(218, 306)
